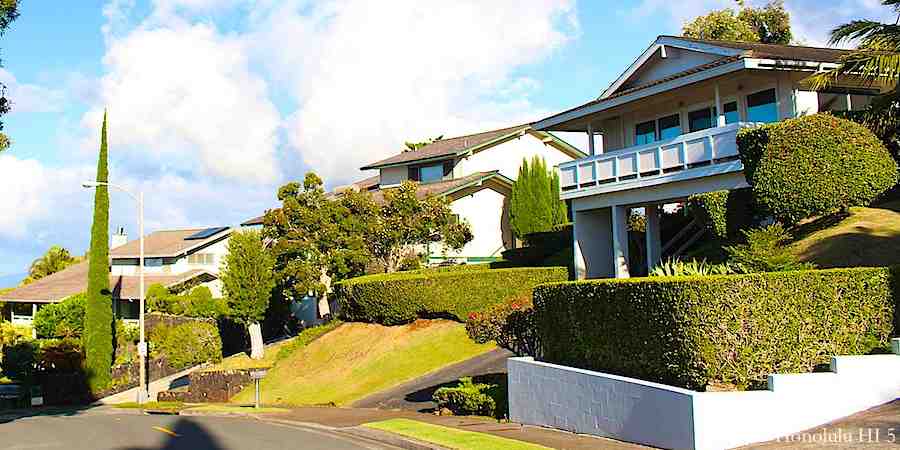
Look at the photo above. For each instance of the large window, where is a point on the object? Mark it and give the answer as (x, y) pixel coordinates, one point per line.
(207, 259)
(761, 107)
(702, 119)
(431, 173)
(667, 127)
(731, 112)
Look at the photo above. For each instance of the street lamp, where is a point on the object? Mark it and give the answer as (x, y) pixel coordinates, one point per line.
(142, 345)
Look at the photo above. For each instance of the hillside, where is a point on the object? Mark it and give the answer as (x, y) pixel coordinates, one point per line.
(357, 359)
(864, 237)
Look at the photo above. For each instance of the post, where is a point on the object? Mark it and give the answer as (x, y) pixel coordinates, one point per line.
(142, 345)
(590, 131)
(619, 216)
(720, 114)
(654, 239)
(256, 403)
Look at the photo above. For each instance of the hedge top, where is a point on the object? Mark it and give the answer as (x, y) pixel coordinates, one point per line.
(441, 272)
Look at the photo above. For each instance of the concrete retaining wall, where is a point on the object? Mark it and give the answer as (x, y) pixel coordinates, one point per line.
(633, 410)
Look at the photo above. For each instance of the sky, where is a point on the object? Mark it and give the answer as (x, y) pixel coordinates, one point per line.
(213, 104)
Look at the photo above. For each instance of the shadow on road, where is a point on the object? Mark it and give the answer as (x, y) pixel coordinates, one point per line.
(17, 414)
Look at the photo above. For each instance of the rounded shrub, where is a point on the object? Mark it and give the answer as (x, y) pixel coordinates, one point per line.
(814, 165)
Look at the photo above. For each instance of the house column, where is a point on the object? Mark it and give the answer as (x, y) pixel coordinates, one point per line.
(720, 113)
(619, 218)
(592, 243)
(654, 239)
(590, 131)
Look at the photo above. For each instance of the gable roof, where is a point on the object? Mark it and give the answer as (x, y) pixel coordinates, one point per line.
(470, 143)
(731, 56)
(73, 280)
(449, 187)
(167, 243)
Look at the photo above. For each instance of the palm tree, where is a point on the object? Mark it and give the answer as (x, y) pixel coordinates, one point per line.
(875, 60)
(55, 260)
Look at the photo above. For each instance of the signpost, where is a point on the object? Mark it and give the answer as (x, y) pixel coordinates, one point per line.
(257, 375)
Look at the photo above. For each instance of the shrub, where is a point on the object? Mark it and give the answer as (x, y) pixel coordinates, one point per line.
(765, 250)
(398, 298)
(60, 356)
(691, 331)
(198, 302)
(187, 344)
(469, 398)
(814, 165)
(723, 213)
(674, 267)
(63, 319)
(509, 324)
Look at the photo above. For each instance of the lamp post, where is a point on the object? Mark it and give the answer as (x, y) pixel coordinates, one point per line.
(142, 344)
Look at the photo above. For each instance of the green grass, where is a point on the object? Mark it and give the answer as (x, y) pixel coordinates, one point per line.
(450, 437)
(357, 359)
(275, 352)
(156, 406)
(238, 409)
(865, 237)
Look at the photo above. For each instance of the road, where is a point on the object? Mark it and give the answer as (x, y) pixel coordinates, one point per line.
(91, 430)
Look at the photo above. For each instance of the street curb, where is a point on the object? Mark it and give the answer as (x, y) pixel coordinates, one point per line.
(385, 437)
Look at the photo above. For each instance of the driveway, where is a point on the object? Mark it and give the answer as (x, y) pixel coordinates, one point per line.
(118, 430)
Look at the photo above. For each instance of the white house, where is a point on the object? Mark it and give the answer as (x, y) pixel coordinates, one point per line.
(476, 172)
(173, 258)
(667, 130)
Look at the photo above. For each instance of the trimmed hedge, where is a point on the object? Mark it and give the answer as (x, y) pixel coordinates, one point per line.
(398, 298)
(814, 165)
(734, 329)
(473, 398)
(723, 213)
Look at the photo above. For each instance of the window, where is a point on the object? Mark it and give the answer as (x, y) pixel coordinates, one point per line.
(22, 309)
(431, 172)
(702, 119)
(207, 259)
(127, 310)
(731, 112)
(761, 107)
(669, 127)
(153, 262)
(645, 133)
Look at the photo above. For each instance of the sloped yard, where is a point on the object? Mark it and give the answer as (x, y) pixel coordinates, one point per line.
(359, 359)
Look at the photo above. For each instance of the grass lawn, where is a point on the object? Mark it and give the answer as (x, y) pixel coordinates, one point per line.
(865, 237)
(238, 409)
(274, 352)
(155, 406)
(358, 359)
(450, 437)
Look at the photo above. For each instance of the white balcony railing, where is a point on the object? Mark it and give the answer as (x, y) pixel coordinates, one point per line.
(697, 149)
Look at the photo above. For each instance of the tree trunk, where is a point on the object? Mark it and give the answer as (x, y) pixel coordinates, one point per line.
(256, 341)
(324, 307)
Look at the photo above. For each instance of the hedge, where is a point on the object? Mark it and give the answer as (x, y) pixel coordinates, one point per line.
(734, 329)
(723, 213)
(186, 344)
(398, 298)
(814, 165)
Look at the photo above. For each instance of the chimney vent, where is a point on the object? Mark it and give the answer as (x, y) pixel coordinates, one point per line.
(119, 238)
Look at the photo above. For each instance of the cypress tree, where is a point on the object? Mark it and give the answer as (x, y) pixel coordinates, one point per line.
(534, 203)
(98, 326)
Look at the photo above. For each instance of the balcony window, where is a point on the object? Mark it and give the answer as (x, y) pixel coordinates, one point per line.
(206, 259)
(731, 112)
(645, 133)
(669, 127)
(702, 119)
(761, 107)
(431, 172)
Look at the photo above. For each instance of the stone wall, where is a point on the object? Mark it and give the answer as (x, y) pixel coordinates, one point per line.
(210, 387)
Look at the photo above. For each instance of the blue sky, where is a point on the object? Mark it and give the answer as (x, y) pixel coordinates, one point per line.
(214, 103)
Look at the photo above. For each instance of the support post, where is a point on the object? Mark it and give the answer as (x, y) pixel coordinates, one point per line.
(620, 241)
(143, 352)
(720, 113)
(654, 239)
(590, 131)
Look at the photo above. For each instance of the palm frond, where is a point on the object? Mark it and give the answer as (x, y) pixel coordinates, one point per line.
(856, 29)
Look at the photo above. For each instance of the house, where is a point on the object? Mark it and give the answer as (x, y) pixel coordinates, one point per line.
(173, 258)
(667, 129)
(476, 173)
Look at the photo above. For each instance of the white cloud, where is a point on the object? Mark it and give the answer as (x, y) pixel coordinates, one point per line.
(28, 98)
(184, 98)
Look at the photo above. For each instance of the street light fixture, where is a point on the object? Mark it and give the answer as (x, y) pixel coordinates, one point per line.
(142, 344)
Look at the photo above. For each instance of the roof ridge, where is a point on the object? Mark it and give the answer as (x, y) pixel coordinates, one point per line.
(713, 41)
(485, 132)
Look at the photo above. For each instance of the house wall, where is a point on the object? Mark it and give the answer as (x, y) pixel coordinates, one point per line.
(507, 157)
(677, 60)
(486, 211)
(173, 266)
(393, 175)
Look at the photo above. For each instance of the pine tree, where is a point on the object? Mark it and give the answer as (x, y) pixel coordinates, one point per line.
(534, 202)
(98, 339)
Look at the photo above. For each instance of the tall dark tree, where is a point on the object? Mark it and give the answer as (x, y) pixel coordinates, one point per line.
(9, 12)
(534, 204)
(98, 326)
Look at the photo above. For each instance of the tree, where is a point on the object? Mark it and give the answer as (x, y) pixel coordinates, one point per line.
(770, 24)
(316, 239)
(404, 220)
(55, 260)
(876, 60)
(9, 12)
(413, 146)
(534, 203)
(98, 327)
(247, 281)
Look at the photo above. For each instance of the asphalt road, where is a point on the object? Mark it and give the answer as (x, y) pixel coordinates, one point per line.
(143, 432)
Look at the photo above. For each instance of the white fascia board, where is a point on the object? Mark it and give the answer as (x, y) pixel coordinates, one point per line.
(545, 124)
(699, 46)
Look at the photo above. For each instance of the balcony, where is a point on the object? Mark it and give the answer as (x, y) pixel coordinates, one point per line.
(691, 156)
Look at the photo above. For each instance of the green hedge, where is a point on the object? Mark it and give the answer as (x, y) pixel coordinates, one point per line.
(473, 398)
(723, 213)
(393, 299)
(186, 344)
(736, 329)
(814, 165)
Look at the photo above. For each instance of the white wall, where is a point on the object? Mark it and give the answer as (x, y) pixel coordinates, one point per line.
(664, 416)
(179, 265)
(507, 157)
(484, 211)
(677, 60)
